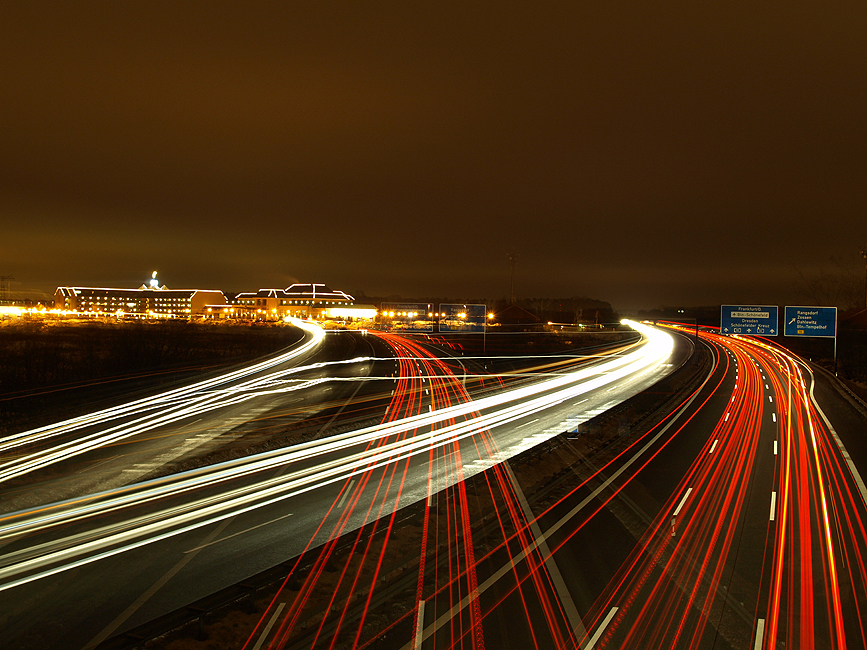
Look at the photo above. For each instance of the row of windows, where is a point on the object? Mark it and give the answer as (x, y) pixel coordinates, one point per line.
(264, 301)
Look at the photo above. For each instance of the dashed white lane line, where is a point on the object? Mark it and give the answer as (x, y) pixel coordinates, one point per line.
(419, 626)
(760, 634)
(141, 600)
(770, 399)
(527, 423)
(774, 415)
(345, 494)
(682, 501)
(591, 645)
(556, 577)
(269, 626)
(775, 447)
(727, 417)
(773, 504)
(713, 446)
(246, 530)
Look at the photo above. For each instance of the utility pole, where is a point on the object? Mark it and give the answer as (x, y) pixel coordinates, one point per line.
(513, 259)
(4, 287)
(864, 255)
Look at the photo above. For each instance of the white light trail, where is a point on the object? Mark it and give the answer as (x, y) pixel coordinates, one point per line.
(338, 458)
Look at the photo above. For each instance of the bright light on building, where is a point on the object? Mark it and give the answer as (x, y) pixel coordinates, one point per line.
(350, 312)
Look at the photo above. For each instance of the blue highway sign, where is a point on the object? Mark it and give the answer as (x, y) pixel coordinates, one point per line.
(811, 321)
(462, 318)
(756, 320)
(409, 316)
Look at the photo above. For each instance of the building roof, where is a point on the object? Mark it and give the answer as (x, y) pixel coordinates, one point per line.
(313, 292)
(262, 293)
(75, 291)
(316, 292)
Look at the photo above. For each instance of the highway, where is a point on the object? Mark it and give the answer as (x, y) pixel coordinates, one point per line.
(736, 522)
(760, 543)
(99, 562)
(733, 520)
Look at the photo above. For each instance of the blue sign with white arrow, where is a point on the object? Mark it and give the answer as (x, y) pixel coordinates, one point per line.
(755, 320)
(811, 321)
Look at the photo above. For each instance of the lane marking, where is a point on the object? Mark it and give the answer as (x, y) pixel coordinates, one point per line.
(507, 568)
(760, 634)
(727, 418)
(771, 399)
(246, 530)
(855, 473)
(560, 587)
(345, 494)
(682, 501)
(598, 634)
(527, 423)
(269, 626)
(775, 447)
(713, 446)
(773, 504)
(419, 626)
(581, 402)
(774, 415)
(141, 600)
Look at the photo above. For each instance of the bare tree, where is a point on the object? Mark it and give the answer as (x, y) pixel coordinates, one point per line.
(836, 284)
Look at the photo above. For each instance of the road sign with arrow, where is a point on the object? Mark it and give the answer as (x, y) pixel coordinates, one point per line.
(811, 321)
(755, 320)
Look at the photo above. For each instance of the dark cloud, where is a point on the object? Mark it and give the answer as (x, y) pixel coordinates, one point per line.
(643, 154)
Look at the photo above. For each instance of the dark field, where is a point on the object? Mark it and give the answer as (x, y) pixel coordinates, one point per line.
(51, 371)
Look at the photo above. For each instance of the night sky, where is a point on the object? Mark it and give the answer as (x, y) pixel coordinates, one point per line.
(642, 153)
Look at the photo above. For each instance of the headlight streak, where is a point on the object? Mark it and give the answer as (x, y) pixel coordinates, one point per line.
(303, 451)
(168, 522)
(201, 405)
(315, 334)
(189, 404)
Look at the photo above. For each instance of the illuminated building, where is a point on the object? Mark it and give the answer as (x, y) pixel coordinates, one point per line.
(148, 300)
(300, 301)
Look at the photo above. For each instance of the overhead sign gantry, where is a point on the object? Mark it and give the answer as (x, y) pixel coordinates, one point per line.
(755, 320)
(811, 321)
(462, 318)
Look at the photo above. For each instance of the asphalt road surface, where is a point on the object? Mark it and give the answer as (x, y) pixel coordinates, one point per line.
(77, 571)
